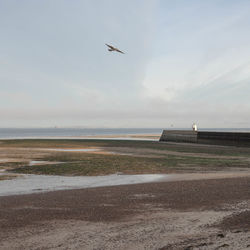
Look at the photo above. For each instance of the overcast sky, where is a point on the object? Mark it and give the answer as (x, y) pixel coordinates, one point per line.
(185, 62)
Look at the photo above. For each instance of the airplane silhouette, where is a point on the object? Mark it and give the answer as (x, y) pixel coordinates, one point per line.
(111, 48)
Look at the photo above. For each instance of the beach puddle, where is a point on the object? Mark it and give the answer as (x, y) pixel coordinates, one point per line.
(73, 149)
(35, 163)
(3, 171)
(43, 183)
(5, 175)
(119, 153)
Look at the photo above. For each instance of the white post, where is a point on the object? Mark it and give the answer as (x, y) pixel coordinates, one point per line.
(194, 127)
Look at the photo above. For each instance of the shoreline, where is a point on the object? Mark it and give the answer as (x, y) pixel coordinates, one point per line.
(142, 136)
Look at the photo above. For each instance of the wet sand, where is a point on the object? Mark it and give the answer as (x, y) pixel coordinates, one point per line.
(197, 214)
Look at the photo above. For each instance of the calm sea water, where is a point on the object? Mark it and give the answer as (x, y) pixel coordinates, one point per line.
(7, 133)
(72, 132)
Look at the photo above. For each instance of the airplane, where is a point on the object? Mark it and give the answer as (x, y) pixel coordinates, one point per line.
(111, 48)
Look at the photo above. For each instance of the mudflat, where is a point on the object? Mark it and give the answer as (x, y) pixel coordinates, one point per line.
(103, 157)
(204, 205)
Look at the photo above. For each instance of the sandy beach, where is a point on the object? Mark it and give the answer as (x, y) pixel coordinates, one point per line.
(186, 196)
(207, 214)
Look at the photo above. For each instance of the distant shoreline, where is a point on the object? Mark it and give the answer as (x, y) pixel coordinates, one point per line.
(102, 137)
(97, 133)
(62, 133)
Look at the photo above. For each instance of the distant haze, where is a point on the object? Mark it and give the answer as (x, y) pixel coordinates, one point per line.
(184, 62)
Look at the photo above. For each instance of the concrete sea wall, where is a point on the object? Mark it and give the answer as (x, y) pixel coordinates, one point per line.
(179, 136)
(207, 137)
(224, 138)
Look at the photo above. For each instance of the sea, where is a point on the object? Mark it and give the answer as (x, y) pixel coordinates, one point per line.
(20, 133)
(15, 133)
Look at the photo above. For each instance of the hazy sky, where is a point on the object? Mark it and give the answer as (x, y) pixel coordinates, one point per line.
(185, 62)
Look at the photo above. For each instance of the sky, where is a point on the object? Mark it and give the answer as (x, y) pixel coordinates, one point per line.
(184, 62)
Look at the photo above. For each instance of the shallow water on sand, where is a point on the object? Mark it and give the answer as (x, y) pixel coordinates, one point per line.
(34, 163)
(26, 184)
(72, 132)
(73, 149)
